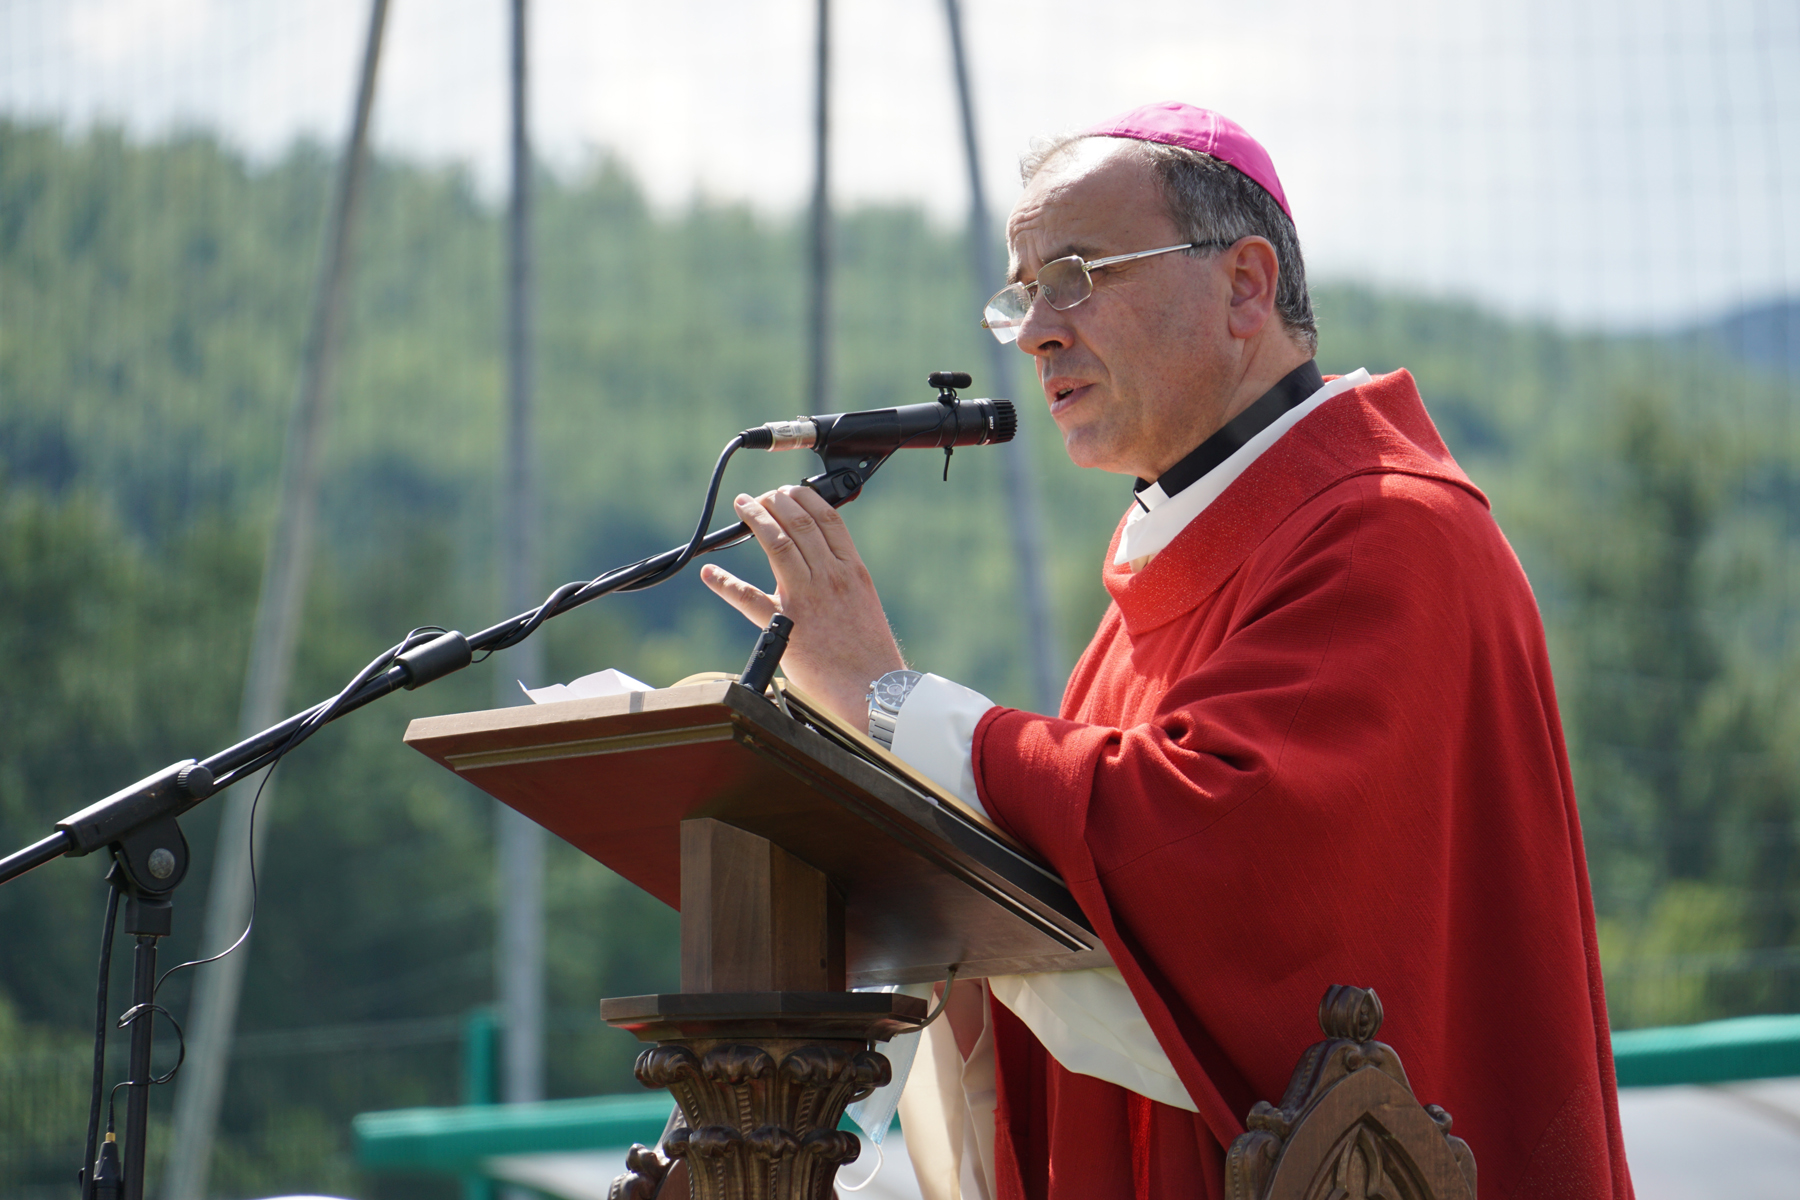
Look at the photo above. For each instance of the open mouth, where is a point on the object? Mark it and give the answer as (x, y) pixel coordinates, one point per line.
(1061, 392)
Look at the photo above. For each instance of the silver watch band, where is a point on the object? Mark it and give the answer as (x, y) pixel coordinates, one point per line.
(885, 697)
(882, 726)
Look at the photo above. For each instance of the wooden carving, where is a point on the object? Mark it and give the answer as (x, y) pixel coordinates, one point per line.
(1349, 1127)
(759, 1125)
(649, 1173)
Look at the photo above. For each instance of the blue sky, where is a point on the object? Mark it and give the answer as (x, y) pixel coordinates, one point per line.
(1596, 162)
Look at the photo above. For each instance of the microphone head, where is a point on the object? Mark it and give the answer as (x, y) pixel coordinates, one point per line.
(949, 379)
(1006, 421)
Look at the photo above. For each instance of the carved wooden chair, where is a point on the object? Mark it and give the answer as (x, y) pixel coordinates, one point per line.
(1349, 1127)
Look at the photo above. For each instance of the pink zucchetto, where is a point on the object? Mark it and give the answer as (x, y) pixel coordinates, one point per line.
(1176, 124)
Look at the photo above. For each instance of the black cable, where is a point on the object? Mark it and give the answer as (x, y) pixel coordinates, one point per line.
(150, 1010)
(255, 894)
(133, 1013)
(362, 689)
(93, 1132)
(943, 1000)
(125, 1019)
(687, 553)
(111, 1099)
(581, 591)
(321, 714)
(706, 515)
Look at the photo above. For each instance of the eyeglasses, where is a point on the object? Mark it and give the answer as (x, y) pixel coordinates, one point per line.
(1064, 282)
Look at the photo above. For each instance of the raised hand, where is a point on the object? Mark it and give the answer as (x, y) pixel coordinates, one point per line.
(841, 640)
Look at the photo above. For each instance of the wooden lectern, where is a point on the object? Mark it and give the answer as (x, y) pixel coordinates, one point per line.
(805, 860)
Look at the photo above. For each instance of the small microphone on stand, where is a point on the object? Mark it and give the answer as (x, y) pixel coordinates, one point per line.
(943, 424)
(853, 445)
(759, 672)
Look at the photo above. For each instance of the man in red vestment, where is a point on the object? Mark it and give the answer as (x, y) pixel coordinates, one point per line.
(1315, 738)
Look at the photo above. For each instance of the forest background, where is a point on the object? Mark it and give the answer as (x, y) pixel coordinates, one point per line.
(152, 304)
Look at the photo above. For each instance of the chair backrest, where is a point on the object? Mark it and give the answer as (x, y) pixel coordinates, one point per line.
(1349, 1126)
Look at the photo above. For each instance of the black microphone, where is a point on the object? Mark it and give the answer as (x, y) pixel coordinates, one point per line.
(943, 423)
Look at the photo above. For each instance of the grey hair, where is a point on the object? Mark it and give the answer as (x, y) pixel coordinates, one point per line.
(1212, 201)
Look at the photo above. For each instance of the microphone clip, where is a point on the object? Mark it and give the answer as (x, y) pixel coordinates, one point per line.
(846, 470)
(946, 382)
(842, 486)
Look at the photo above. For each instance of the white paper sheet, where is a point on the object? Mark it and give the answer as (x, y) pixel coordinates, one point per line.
(610, 682)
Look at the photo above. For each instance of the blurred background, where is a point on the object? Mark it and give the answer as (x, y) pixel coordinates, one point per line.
(1576, 223)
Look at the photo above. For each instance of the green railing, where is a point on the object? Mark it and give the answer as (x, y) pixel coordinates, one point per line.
(1711, 1052)
(461, 1139)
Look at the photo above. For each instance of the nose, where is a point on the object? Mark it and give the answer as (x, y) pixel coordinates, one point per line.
(1044, 330)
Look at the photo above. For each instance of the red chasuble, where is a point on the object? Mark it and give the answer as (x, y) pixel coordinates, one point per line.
(1315, 741)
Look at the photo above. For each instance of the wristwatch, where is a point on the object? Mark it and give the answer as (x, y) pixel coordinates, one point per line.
(885, 697)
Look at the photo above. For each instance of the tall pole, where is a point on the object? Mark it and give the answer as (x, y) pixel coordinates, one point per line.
(200, 1086)
(519, 946)
(1021, 486)
(818, 327)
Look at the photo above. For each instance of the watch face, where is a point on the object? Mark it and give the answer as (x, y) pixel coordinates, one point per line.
(891, 690)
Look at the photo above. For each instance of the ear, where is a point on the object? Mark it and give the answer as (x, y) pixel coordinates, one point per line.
(1255, 272)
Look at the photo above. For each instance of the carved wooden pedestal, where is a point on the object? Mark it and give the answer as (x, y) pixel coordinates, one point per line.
(762, 1076)
(763, 1118)
(762, 1081)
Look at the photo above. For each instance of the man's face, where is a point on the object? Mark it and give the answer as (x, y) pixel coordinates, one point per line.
(1138, 374)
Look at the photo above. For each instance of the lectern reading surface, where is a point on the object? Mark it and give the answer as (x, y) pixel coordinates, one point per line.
(925, 883)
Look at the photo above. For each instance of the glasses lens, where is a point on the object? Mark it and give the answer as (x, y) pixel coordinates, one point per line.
(1065, 282)
(1005, 312)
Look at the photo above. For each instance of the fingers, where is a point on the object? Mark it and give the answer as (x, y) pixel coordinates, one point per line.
(799, 531)
(841, 638)
(818, 532)
(830, 523)
(800, 526)
(770, 535)
(757, 605)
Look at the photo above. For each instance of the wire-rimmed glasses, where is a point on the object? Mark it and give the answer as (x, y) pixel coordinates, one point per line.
(1064, 282)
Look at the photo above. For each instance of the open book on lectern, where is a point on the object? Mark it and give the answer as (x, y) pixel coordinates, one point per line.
(927, 882)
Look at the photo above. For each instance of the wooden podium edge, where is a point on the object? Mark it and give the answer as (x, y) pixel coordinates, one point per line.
(718, 708)
(706, 685)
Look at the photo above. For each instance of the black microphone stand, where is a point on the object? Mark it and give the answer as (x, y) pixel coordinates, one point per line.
(138, 824)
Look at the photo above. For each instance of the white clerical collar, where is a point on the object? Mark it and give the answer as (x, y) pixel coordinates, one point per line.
(1156, 517)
